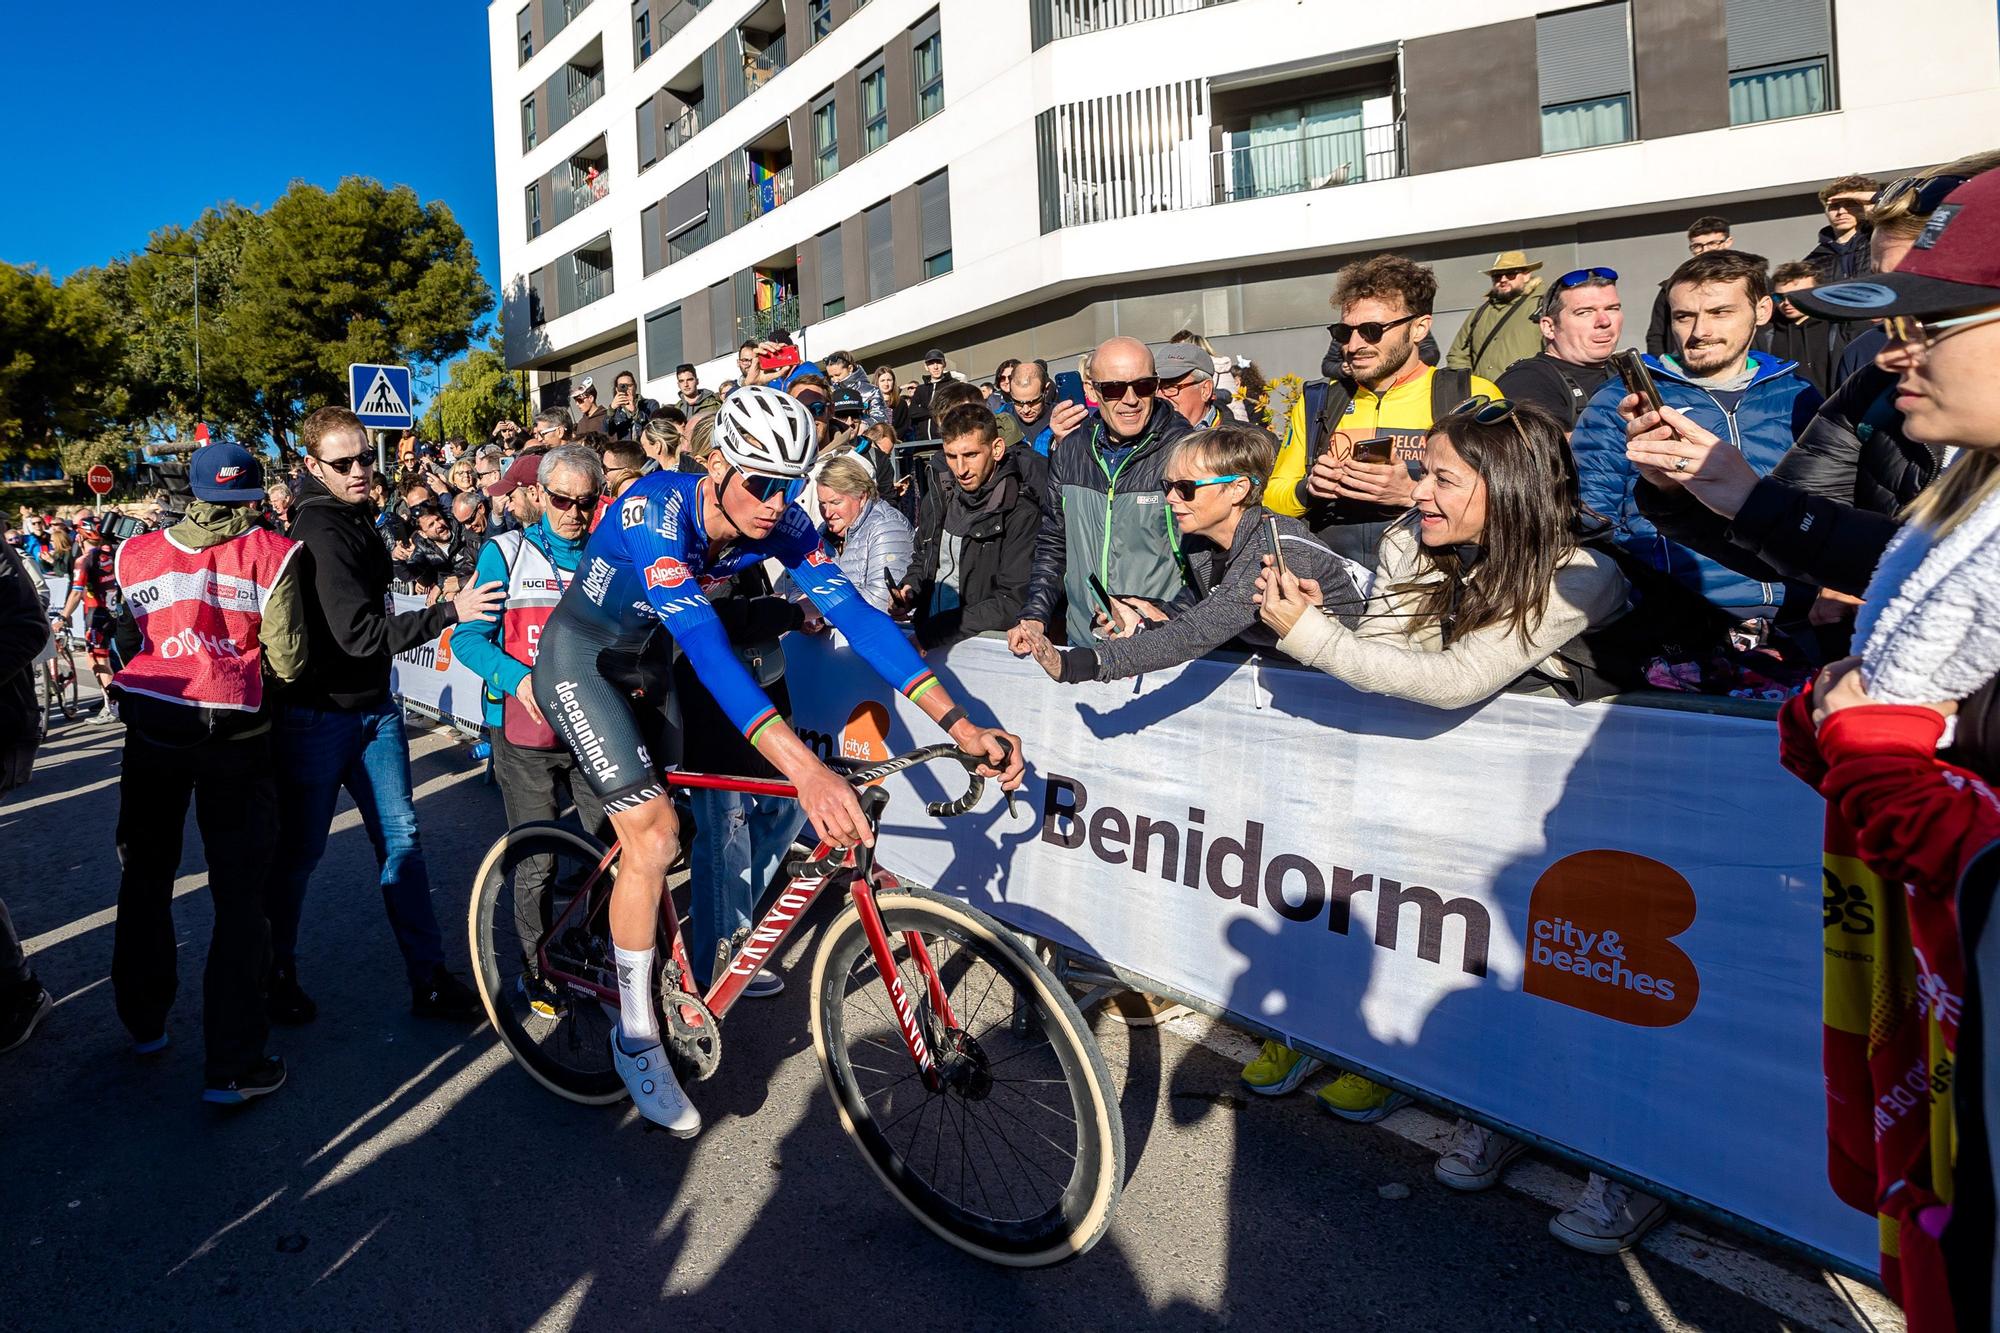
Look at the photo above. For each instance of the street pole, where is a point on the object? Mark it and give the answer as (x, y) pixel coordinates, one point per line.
(196, 259)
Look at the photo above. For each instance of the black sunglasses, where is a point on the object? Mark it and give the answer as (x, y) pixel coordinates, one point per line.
(563, 503)
(426, 507)
(366, 459)
(1113, 391)
(1930, 191)
(1371, 331)
(762, 488)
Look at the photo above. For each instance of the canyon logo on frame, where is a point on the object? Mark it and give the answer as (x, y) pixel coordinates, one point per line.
(1601, 926)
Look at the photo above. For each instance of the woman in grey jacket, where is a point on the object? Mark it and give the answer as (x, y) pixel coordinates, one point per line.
(866, 538)
(1478, 589)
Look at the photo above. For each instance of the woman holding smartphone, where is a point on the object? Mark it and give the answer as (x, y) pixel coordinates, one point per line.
(1477, 589)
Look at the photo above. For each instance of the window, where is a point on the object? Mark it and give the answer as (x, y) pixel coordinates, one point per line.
(1584, 59)
(826, 140)
(538, 314)
(649, 133)
(934, 209)
(663, 342)
(651, 235)
(721, 320)
(1779, 62)
(927, 59)
(529, 138)
(874, 107)
(534, 210)
(881, 253)
(832, 274)
(524, 26)
(819, 18)
(642, 31)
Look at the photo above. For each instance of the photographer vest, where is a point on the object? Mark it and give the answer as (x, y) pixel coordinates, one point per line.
(198, 614)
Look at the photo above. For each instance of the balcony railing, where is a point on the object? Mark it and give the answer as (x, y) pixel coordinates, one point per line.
(758, 326)
(680, 246)
(677, 16)
(774, 191)
(584, 93)
(684, 127)
(760, 67)
(1051, 20)
(1290, 162)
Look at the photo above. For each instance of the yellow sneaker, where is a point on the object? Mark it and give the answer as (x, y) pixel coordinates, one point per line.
(1364, 1101)
(1278, 1070)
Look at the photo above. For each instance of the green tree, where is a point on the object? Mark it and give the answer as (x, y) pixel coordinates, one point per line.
(58, 363)
(360, 273)
(479, 394)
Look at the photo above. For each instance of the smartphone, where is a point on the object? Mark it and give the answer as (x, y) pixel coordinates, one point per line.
(1277, 547)
(782, 359)
(1069, 387)
(1637, 378)
(1103, 597)
(1381, 449)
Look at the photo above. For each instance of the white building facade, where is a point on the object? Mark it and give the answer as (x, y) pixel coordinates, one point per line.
(1026, 177)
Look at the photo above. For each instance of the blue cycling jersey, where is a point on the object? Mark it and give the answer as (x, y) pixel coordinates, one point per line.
(649, 563)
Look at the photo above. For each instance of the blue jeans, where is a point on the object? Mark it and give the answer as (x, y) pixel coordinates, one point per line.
(740, 841)
(318, 752)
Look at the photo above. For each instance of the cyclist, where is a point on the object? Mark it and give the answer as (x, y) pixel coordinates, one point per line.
(645, 565)
(95, 587)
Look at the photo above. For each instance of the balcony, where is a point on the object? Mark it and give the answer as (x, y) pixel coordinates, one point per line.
(757, 326)
(1051, 20)
(684, 127)
(769, 191)
(761, 66)
(1263, 163)
(650, 34)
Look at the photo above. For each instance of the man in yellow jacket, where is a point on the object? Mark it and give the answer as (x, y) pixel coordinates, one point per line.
(1384, 403)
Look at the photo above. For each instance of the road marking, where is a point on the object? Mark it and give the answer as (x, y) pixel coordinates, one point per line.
(1809, 1296)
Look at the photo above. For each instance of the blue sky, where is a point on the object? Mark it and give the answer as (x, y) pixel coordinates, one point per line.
(139, 115)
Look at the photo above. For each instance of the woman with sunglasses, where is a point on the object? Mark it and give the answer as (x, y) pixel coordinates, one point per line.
(1214, 481)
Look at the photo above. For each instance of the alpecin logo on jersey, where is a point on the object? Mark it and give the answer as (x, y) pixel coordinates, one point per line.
(666, 572)
(598, 581)
(818, 558)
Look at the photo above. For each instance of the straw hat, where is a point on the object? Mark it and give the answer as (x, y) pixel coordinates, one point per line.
(1507, 260)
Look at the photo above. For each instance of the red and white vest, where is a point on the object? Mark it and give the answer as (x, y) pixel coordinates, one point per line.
(534, 586)
(200, 613)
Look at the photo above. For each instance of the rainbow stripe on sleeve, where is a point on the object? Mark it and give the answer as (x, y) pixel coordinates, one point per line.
(913, 688)
(759, 723)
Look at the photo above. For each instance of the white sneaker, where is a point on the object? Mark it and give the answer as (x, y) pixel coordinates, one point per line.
(655, 1091)
(764, 985)
(1476, 1158)
(1607, 1217)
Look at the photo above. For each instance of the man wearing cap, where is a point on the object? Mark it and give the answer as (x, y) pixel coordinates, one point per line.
(1187, 380)
(217, 603)
(1503, 329)
(589, 416)
(519, 491)
(538, 775)
(843, 372)
(920, 400)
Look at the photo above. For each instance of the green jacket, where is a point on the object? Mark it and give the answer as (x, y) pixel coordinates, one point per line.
(1500, 333)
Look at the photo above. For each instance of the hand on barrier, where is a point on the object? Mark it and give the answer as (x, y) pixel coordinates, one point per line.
(1021, 638)
(1669, 450)
(1282, 597)
(479, 601)
(525, 692)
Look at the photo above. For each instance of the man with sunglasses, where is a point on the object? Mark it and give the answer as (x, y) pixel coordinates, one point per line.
(1103, 512)
(1501, 329)
(1794, 335)
(1386, 398)
(339, 727)
(1582, 322)
(645, 567)
(1842, 251)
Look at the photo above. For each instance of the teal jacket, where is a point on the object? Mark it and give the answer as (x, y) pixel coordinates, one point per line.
(477, 643)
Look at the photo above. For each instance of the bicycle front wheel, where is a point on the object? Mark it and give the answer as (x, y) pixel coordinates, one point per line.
(1019, 1157)
(526, 881)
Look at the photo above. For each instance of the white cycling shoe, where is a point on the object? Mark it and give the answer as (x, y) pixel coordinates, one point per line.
(655, 1091)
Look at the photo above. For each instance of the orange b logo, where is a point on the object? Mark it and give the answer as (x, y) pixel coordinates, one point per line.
(865, 738)
(444, 648)
(1600, 932)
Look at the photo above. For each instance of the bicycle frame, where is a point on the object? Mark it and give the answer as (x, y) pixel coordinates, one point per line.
(855, 871)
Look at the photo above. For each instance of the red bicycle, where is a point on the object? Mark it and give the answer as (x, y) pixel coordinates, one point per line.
(959, 1065)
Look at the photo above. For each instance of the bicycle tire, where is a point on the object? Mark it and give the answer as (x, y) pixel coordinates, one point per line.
(498, 964)
(72, 705)
(1082, 1212)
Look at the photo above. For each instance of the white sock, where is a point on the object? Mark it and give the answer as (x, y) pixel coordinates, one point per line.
(635, 996)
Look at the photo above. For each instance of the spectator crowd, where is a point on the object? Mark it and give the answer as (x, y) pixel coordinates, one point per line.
(1790, 496)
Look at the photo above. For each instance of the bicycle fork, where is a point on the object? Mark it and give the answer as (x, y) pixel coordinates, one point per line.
(910, 1010)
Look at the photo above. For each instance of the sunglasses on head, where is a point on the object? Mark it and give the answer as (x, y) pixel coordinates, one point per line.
(1487, 411)
(564, 503)
(366, 459)
(1184, 488)
(762, 488)
(1113, 391)
(1371, 331)
(426, 507)
(1930, 191)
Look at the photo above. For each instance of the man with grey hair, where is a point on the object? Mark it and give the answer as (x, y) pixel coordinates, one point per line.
(1187, 380)
(538, 775)
(551, 428)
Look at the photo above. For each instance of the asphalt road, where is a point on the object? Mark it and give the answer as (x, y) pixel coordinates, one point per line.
(408, 1176)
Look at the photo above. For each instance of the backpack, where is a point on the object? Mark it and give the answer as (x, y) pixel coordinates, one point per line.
(1326, 401)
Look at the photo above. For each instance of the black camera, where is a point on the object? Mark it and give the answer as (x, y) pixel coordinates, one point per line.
(124, 527)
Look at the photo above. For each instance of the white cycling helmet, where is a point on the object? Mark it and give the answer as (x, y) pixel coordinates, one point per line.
(767, 431)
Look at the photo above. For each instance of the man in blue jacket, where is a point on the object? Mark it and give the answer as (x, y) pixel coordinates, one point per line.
(1752, 400)
(538, 775)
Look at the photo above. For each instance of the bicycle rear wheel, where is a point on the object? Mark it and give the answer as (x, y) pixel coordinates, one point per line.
(559, 1036)
(1020, 1157)
(67, 693)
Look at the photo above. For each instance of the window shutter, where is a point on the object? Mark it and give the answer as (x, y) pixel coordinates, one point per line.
(649, 239)
(881, 253)
(1584, 54)
(721, 320)
(687, 205)
(832, 283)
(1775, 32)
(663, 342)
(649, 137)
(934, 206)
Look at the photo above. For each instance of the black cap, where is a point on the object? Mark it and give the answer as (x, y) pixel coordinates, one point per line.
(1954, 265)
(848, 403)
(933, 355)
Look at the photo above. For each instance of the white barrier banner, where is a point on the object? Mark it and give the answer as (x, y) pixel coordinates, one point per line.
(431, 675)
(1600, 924)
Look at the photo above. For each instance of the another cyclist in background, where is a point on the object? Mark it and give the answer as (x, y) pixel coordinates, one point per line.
(94, 587)
(645, 565)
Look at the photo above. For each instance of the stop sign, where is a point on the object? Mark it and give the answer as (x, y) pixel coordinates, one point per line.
(99, 479)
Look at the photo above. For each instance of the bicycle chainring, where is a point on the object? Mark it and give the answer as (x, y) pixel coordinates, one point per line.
(692, 1035)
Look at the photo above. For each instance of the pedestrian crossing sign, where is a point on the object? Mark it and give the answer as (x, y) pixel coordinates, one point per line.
(380, 396)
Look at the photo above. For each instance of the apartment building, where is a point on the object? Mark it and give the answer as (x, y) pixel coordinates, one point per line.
(1026, 177)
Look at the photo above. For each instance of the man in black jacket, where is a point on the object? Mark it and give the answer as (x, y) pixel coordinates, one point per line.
(922, 409)
(1705, 233)
(1794, 335)
(1842, 251)
(338, 727)
(975, 536)
(24, 631)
